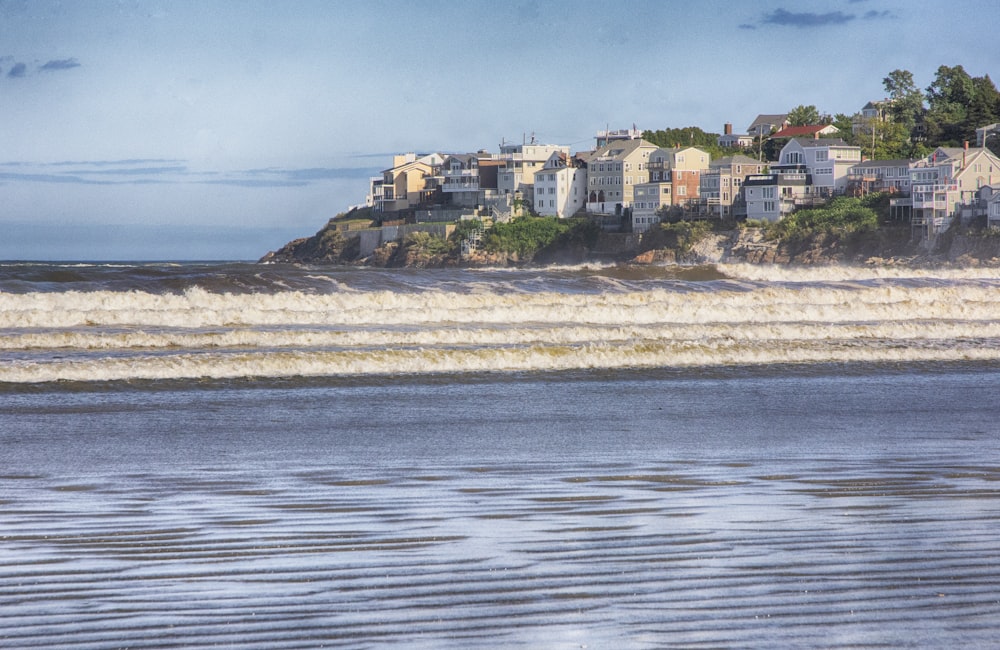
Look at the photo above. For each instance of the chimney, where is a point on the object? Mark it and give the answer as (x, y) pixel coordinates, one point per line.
(727, 128)
(816, 135)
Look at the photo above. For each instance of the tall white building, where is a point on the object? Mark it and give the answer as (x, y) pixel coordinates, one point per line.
(560, 186)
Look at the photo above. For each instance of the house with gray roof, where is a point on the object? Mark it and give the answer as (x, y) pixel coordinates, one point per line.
(764, 125)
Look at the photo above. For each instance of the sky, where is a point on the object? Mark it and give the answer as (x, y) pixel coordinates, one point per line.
(217, 130)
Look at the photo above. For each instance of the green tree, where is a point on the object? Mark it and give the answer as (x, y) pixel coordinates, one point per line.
(804, 116)
(906, 102)
(948, 99)
(689, 136)
(984, 108)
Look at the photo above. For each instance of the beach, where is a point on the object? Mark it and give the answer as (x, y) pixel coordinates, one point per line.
(199, 455)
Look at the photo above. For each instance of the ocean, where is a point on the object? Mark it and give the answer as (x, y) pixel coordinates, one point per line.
(254, 456)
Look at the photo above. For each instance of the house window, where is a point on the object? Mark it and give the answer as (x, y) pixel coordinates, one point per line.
(822, 156)
(682, 190)
(768, 206)
(767, 192)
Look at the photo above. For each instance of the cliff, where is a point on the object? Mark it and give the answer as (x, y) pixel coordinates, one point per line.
(335, 244)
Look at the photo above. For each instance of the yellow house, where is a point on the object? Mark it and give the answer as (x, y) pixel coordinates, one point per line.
(406, 183)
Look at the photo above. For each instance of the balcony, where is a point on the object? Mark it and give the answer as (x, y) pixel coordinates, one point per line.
(460, 185)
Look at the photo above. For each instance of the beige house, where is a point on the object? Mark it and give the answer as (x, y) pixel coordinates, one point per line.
(944, 183)
(613, 172)
(520, 162)
(674, 179)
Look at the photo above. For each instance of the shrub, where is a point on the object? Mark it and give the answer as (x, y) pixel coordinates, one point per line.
(842, 216)
(524, 236)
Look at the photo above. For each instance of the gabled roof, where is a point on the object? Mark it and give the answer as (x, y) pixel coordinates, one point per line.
(413, 164)
(557, 160)
(799, 131)
(465, 158)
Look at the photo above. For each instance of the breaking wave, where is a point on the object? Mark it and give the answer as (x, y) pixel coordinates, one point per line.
(570, 319)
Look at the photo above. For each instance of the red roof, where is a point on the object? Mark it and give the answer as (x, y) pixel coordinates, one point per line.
(799, 131)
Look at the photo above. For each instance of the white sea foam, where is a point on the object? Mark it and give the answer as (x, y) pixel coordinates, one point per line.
(197, 308)
(835, 273)
(520, 358)
(104, 335)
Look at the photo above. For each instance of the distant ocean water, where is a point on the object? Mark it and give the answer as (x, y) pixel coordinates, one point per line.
(198, 455)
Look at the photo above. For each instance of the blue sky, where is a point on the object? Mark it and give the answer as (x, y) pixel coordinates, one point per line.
(220, 130)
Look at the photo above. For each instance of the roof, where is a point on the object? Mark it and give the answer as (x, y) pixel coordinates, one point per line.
(798, 131)
(738, 159)
(619, 149)
(769, 119)
(466, 158)
(822, 142)
(902, 162)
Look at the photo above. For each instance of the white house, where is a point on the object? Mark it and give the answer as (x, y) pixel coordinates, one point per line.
(561, 186)
(730, 140)
(827, 160)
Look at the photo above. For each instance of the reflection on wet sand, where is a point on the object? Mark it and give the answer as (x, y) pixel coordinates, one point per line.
(698, 554)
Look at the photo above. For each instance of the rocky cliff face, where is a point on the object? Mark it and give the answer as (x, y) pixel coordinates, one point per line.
(745, 245)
